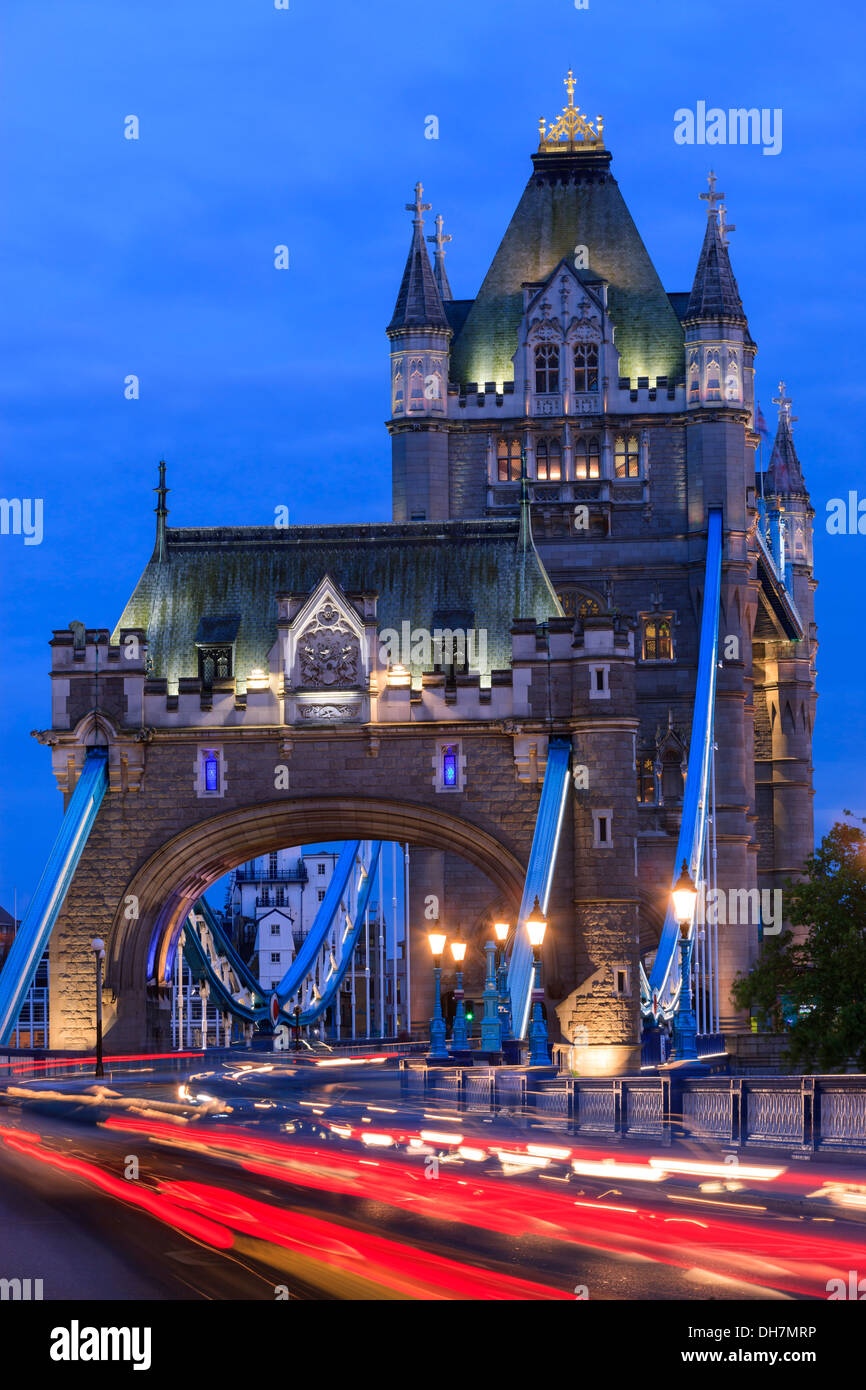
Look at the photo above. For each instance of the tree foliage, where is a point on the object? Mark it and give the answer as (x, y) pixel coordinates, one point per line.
(818, 974)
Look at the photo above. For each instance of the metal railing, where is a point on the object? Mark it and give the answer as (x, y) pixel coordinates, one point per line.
(799, 1114)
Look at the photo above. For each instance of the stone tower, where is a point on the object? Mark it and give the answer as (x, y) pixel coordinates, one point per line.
(634, 410)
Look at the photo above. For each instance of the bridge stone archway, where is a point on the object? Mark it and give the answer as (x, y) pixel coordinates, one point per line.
(167, 885)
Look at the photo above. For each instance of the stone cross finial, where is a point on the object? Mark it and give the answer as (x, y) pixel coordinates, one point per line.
(570, 83)
(784, 403)
(419, 207)
(712, 197)
(724, 226)
(441, 237)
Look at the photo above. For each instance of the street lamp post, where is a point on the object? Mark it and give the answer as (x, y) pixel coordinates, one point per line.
(536, 926)
(98, 948)
(684, 898)
(491, 1028)
(438, 1050)
(502, 929)
(459, 1033)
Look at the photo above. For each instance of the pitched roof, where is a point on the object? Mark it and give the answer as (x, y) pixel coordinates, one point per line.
(418, 569)
(784, 474)
(714, 292)
(419, 303)
(570, 200)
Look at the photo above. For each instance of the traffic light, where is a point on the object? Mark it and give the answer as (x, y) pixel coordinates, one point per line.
(469, 1009)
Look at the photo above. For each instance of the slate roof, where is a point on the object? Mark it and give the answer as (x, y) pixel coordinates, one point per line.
(418, 569)
(714, 293)
(419, 303)
(571, 200)
(784, 475)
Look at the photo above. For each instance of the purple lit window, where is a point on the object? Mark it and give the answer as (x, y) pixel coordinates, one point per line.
(211, 772)
(449, 766)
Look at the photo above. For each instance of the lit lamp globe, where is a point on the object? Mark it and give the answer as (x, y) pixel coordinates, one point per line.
(684, 897)
(501, 929)
(458, 950)
(536, 925)
(437, 941)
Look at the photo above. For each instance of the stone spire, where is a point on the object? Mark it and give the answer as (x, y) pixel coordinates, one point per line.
(419, 303)
(160, 551)
(784, 475)
(714, 293)
(439, 270)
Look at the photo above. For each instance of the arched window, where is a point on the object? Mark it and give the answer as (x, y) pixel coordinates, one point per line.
(548, 461)
(586, 457)
(626, 456)
(732, 379)
(672, 776)
(398, 388)
(714, 385)
(646, 781)
(546, 369)
(694, 379)
(657, 640)
(585, 367)
(416, 384)
(508, 460)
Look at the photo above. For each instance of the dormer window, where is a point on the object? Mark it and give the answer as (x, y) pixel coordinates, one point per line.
(508, 460)
(586, 457)
(214, 664)
(546, 369)
(626, 456)
(585, 367)
(548, 461)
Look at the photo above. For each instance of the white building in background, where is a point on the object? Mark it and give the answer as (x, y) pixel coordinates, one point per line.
(272, 904)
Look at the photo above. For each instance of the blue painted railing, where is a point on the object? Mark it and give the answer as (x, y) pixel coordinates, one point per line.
(35, 930)
(539, 876)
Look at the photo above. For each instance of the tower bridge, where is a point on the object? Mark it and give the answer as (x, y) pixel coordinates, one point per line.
(245, 701)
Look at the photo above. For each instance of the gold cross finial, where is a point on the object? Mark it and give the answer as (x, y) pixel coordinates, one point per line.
(571, 130)
(419, 207)
(441, 237)
(712, 197)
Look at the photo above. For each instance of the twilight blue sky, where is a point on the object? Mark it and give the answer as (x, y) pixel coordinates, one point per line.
(306, 127)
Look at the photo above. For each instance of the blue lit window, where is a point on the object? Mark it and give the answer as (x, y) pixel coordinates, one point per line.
(449, 765)
(211, 771)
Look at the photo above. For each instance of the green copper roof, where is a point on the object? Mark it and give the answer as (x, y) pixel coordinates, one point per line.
(418, 570)
(577, 202)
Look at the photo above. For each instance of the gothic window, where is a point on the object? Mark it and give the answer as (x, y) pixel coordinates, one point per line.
(646, 781)
(585, 367)
(626, 456)
(214, 664)
(416, 384)
(694, 379)
(577, 605)
(586, 457)
(508, 460)
(672, 776)
(588, 608)
(732, 379)
(548, 461)
(657, 640)
(714, 386)
(398, 388)
(546, 369)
